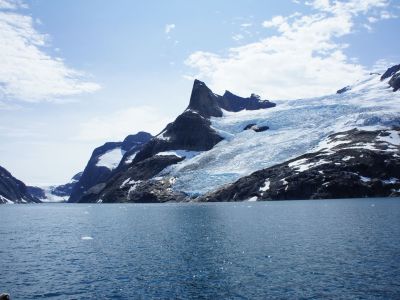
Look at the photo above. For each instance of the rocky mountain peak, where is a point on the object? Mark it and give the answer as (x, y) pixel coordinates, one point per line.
(390, 72)
(204, 101)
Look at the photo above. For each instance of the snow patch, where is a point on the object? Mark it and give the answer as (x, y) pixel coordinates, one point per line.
(179, 153)
(6, 200)
(110, 159)
(365, 179)
(163, 137)
(265, 187)
(252, 199)
(393, 138)
(130, 158)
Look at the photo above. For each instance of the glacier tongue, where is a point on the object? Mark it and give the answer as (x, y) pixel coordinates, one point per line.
(296, 127)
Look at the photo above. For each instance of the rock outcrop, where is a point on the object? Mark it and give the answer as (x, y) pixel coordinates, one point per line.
(13, 190)
(105, 160)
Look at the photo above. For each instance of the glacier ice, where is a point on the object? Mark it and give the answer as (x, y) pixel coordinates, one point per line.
(296, 127)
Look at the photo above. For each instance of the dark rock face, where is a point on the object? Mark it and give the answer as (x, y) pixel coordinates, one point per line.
(352, 168)
(5, 297)
(13, 190)
(256, 128)
(208, 104)
(93, 175)
(390, 72)
(204, 101)
(190, 131)
(394, 82)
(394, 73)
(136, 184)
(231, 102)
(343, 90)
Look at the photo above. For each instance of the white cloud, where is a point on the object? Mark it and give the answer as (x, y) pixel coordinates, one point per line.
(117, 125)
(169, 28)
(12, 4)
(303, 59)
(274, 22)
(238, 37)
(27, 73)
(245, 25)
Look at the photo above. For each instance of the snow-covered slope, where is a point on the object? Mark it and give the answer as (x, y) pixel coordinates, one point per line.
(296, 127)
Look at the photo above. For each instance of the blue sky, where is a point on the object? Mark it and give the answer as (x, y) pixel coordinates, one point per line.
(75, 74)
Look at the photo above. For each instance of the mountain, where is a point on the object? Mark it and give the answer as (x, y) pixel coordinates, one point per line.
(13, 190)
(228, 148)
(106, 160)
(351, 164)
(54, 193)
(191, 134)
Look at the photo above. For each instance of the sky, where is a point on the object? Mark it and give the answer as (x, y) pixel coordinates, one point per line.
(75, 74)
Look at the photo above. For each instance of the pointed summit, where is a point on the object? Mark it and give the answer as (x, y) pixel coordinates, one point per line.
(204, 101)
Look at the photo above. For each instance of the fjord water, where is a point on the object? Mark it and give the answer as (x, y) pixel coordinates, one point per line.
(290, 249)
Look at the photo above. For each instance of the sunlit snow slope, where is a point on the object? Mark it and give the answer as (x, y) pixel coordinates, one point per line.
(296, 127)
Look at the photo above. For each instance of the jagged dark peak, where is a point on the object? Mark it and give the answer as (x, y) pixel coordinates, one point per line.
(190, 131)
(208, 104)
(234, 103)
(390, 72)
(204, 101)
(140, 137)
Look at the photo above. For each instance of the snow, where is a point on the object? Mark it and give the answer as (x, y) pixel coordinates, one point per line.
(391, 181)
(133, 185)
(50, 197)
(179, 153)
(347, 158)
(5, 200)
(301, 165)
(130, 158)
(110, 159)
(252, 199)
(162, 136)
(265, 187)
(296, 127)
(393, 138)
(365, 179)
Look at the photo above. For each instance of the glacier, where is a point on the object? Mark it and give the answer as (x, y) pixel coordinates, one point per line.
(296, 127)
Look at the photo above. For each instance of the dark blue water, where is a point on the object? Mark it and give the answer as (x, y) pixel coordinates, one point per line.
(297, 250)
